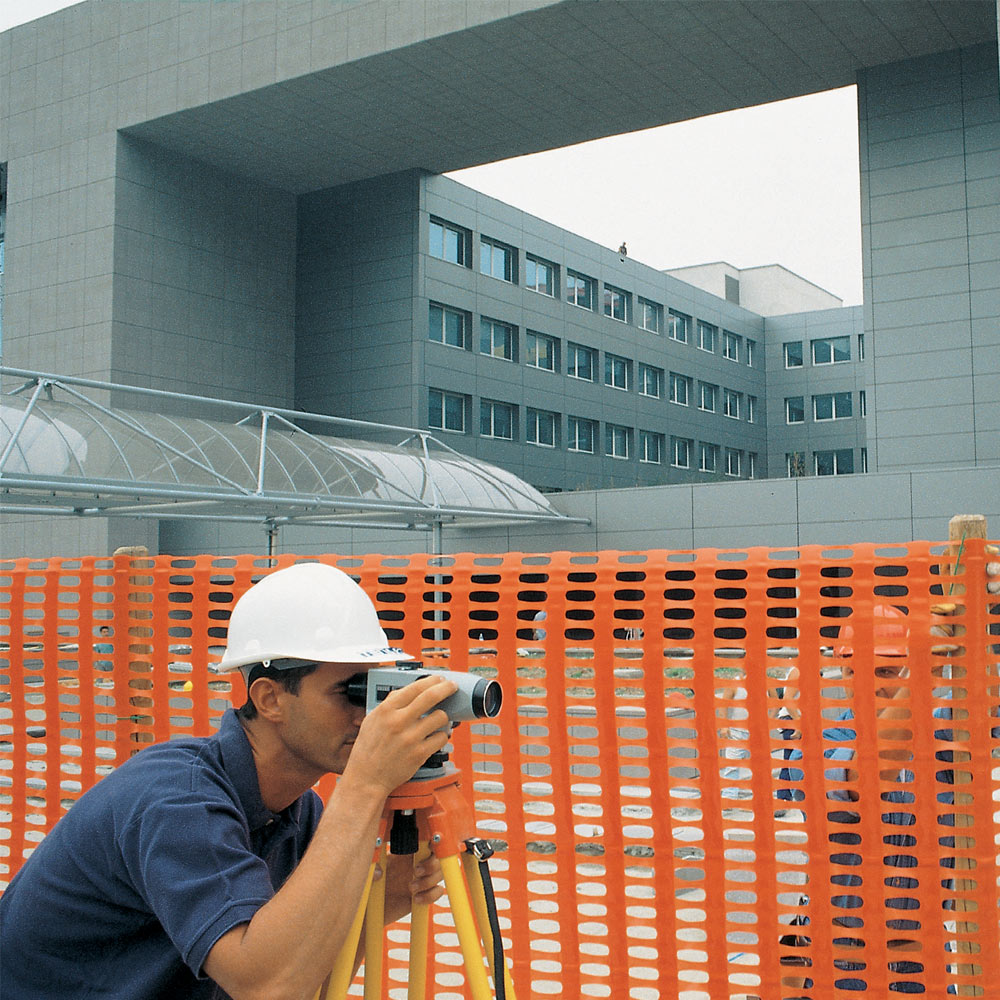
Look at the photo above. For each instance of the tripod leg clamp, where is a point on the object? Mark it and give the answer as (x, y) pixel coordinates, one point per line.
(480, 849)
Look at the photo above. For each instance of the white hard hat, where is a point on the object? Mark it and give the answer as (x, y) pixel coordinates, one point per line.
(307, 613)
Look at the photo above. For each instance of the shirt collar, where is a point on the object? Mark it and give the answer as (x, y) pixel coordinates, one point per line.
(238, 761)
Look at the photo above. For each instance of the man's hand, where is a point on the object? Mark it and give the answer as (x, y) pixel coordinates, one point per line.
(400, 734)
(408, 884)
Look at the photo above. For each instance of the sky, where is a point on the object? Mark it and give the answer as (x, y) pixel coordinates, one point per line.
(775, 184)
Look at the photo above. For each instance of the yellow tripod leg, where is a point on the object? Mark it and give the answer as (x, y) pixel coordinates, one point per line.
(375, 932)
(343, 969)
(419, 939)
(465, 925)
(478, 894)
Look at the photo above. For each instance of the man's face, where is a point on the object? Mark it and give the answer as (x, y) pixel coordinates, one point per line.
(891, 670)
(319, 725)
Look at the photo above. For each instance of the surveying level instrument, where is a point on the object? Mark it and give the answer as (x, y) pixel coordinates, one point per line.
(429, 815)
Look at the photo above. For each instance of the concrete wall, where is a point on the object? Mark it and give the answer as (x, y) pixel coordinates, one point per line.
(59, 248)
(768, 290)
(930, 180)
(355, 347)
(874, 508)
(888, 507)
(43, 536)
(773, 290)
(204, 280)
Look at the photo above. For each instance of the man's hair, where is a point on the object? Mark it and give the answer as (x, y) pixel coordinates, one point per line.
(290, 679)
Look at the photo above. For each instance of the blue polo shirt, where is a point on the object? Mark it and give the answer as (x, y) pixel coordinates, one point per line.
(130, 890)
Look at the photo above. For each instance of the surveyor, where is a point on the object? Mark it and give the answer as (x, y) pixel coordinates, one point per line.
(208, 867)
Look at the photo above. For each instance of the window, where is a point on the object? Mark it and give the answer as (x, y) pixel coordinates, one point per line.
(862, 403)
(617, 441)
(581, 362)
(541, 428)
(616, 303)
(581, 290)
(650, 381)
(834, 463)
(497, 260)
(650, 315)
(678, 326)
(751, 351)
(864, 459)
(734, 462)
(731, 403)
(617, 372)
(496, 420)
(539, 275)
(650, 447)
(751, 465)
(861, 347)
(795, 410)
(831, 350)
(706, 336)
(793, 354)
(795, 464)
(450, 242)
(708, 457)
(581, 434)
(751, 409)
(446, 410)
(832, 406)
(707, 395)
(680, 449)
(498, 340)
(542, 351)
(449, 326)
(730, 346)
(680, 389)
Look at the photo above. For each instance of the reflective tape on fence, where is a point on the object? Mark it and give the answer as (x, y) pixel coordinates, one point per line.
(716, 774)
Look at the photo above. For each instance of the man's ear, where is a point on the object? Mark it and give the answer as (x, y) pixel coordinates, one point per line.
(266, 693)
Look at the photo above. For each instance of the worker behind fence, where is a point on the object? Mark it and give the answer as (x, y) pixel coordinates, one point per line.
(208, 867)
(104, 649)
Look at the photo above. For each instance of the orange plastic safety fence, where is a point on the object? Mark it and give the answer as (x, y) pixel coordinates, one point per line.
(717, 774)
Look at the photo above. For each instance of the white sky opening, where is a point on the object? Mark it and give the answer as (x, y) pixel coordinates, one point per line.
(774, 184)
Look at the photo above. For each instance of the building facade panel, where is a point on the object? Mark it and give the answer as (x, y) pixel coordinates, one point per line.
(608, 373)
(206, 313)
(948, 91)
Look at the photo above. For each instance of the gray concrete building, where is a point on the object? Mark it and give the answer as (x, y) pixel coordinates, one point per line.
(237, 200)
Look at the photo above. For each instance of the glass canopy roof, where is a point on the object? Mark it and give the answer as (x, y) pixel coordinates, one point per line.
(64, 449)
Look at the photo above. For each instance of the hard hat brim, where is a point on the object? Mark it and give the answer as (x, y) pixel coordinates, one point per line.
(342, 654)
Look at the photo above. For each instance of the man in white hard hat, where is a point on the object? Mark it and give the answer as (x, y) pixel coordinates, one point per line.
(208, 867)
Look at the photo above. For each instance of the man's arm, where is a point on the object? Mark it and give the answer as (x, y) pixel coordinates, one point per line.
(292, 942)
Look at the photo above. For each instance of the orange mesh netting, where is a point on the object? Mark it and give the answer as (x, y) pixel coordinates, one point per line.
(717, 774)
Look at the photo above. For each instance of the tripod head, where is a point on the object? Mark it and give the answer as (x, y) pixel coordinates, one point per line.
(430, 809)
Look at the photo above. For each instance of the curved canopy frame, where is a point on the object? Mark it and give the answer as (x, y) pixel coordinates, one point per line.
(65, 449)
